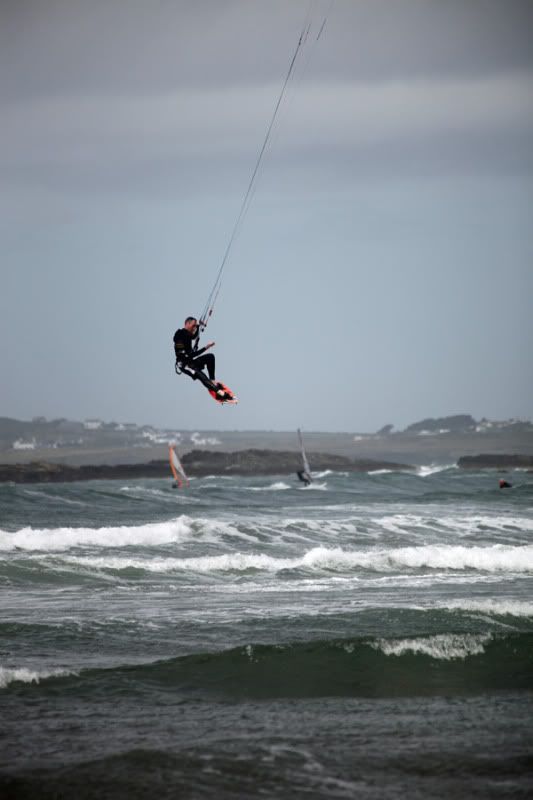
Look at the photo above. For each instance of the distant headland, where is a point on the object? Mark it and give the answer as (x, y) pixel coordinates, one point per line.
(197, 463)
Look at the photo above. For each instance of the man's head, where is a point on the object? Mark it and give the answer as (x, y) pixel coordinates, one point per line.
(190, 324)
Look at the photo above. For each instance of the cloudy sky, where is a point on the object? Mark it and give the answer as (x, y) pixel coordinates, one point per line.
(384, 270)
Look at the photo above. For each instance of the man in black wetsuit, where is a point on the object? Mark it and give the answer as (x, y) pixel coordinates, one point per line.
(304, 477)
(186, 356)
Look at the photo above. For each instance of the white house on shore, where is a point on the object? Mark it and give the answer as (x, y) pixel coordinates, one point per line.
(20, 444)
(92, 424)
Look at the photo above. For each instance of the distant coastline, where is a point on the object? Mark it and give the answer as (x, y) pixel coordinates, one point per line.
(438, 441)
(251, 462)
(197, 463)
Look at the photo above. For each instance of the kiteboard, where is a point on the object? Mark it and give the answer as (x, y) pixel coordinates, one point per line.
(222, 394)
(218, 390)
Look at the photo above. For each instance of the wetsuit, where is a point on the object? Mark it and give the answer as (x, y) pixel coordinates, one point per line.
(304, 477)
(183, 347)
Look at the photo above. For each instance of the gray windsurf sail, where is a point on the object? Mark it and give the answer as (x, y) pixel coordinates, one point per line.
(305, 473)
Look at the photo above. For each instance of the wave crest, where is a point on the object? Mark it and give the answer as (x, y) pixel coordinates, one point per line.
(497, 558)
(362, 667)
(23, 675)
(444, 646)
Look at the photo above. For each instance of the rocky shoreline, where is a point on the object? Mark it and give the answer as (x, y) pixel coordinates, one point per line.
(251, 462)
(197, 463)
(496, 461)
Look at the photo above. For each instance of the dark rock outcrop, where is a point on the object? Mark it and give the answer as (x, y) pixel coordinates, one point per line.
(43, 472)
(258, 462)
(274, 462)
(495, 461)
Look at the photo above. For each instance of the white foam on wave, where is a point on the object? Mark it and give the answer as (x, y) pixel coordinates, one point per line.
(321, 487)
(512, 608)
(326, 472)
(59, 539)
(24, 675)
(400, 523)
(274, 487)
(431, 469)
(444, 647)
(498, 558)
(495, 558)
(211, 529)
(145, 490)
(380, 471)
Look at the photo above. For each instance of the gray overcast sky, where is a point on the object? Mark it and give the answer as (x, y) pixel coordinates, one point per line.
(384, 271)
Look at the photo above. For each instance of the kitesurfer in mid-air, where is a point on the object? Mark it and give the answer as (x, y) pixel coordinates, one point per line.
(191, 360)
(185, 353)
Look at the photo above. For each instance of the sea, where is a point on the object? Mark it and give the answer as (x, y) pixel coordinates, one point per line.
(368, 636)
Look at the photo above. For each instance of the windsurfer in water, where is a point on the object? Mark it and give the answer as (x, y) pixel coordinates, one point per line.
(304, 477)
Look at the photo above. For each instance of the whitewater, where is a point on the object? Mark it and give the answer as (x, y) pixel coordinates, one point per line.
(252, 628)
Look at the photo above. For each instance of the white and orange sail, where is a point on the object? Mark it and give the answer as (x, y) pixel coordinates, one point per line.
(177, 468)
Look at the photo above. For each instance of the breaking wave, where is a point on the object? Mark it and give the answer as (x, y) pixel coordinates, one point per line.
(155, 534)
(460, 664)
(23, 675)
(432, 469)
(497, 558)
(443, 646)
(274, 487)
(499, 607)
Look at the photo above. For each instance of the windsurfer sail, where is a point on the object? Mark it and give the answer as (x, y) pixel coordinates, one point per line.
(305, 473)
(176, 466)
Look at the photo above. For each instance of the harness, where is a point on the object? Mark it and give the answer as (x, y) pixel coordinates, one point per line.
(182, 368)
(179, 367)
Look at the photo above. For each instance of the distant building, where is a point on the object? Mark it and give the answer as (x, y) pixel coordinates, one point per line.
(92, 424)
(20, 444)
(201, 441)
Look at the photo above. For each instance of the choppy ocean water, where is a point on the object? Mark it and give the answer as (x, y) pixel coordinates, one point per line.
(368, 636)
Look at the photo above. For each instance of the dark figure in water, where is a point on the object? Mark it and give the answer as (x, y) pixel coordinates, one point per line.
(304, 477)
(505, 484)
(186, 356)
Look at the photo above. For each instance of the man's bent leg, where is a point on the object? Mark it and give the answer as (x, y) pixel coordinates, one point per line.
(207, 361)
